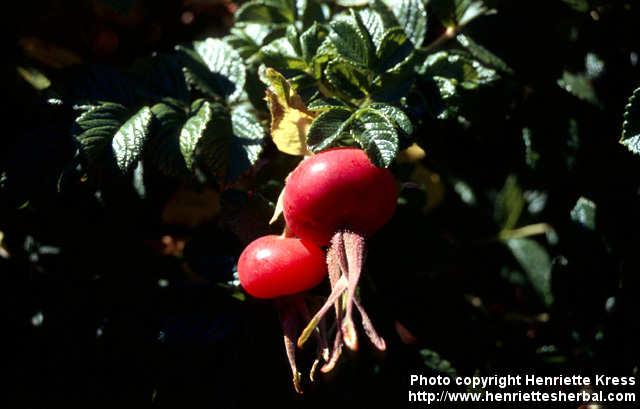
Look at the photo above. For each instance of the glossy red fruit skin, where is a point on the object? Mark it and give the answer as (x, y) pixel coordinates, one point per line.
(274, 266)
(338, 189)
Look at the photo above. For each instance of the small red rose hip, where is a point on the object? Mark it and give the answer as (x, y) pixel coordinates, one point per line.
(338, 189)
(273, 266)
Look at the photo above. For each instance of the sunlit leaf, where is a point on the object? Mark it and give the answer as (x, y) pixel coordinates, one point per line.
(584, 213)
(351, 39)
(226, 63)
(579, 85)
(328, 128)
(536, 263)
(412, 18)
(290, 119)
(128, 142)
(631, 125)
(376, 135)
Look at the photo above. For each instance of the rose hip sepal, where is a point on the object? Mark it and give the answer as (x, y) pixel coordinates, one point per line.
(339, 197)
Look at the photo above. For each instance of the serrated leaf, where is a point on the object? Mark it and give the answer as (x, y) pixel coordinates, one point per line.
(536, 263)
(207, 117)
(246, 145)
(374, 24)
(482, 54)
(376, 135)
(412, 18)
(580, 86)
(248, 38)
(322, 104)
(394, 49)
(311, 40)
(281, 55)
(264, 13)
(396, 82)
(453, 71)
(347, 78)
(328, 128)
(290, 119)
(631, 125)
(222, 145)
(310, 12)
(164, 147)
(351, 40)
(226, 63)
(396, 115)
(584, 213)
(161, 76)
(458, 13)
(352, 3)
(96, 127)
(129, 140)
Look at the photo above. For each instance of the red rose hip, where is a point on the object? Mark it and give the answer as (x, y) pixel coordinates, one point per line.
(274, 266)
(338, 189)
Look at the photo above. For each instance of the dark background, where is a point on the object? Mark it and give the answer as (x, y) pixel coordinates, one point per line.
(98, 309)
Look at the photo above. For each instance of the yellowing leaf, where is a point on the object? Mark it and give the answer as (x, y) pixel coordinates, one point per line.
(412, 154)
(47, 53)
(432, 185)
(290, 119)
(34, 77)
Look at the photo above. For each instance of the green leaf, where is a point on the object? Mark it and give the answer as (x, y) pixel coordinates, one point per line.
(327, 128)
(581, 6)
(95, 128)
(631, 125)
(412, 18)
(164, 147)
(246, 145)
(396, 115)
(322, 104)
(453, 72)
(34, 77)
(281, 55)
(375, 133)
(536, 263)
(208, 122)
(435, 362)
(310, 12)
(129, 140)
(509, 204)
(395, 48)
(584, 213)
(580, 86)
(311, 40)
(351, 40)
(161, 76)
(248, 38)
(352, 3)
(395, 83)
(458, 13)
(347, 78)
(482, 54)
(223, 145)
(226, 64)
(263, 12)
(374, 23)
